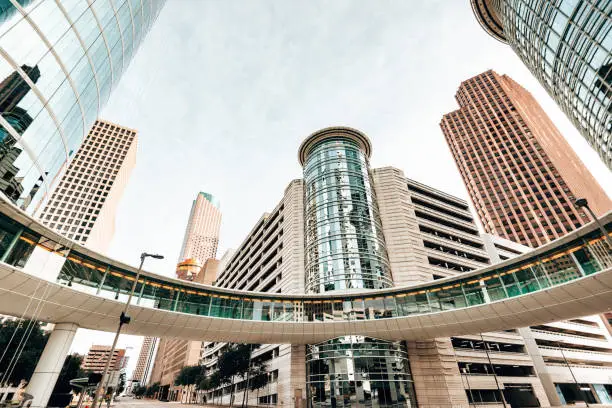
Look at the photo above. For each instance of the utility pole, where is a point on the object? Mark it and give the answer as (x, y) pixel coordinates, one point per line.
(123, 319)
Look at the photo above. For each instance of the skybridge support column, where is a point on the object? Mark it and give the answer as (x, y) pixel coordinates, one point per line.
(50, 364)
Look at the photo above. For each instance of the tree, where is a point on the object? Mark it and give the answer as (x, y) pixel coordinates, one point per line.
(234, 361)
(122, 381)
(70, 370)
(211, 382)
(62, 392)
(188, 377)
(20, 357)
(152, 389)
(259, 378)
(255, 368)
(139, 391)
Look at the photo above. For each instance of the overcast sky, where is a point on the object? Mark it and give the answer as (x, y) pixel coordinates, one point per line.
(223, 92)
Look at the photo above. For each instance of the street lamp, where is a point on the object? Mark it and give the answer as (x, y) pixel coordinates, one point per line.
(583, 203)
(578, 387)
(123, 319)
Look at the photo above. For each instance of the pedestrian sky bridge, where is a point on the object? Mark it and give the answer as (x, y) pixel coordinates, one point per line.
(44, 276)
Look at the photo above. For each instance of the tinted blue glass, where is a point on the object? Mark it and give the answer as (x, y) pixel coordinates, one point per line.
(61, 65)
(567, 44)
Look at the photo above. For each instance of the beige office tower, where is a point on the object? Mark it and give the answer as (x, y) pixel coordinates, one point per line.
(145, 361)
(273, 253)
(521, 174)
(202, 232)
(83, 205)
(432, 235)
(196, 263)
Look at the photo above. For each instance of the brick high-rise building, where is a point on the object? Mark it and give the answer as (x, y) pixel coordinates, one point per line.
(566, 45)
(96, 357)
(202, 232)
(82, 206)
(521, 174)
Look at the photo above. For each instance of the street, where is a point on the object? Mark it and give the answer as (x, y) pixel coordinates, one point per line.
(142, 403)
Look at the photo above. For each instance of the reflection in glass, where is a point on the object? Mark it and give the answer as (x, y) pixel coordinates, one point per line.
(12, 91)
(345, 250)
(74, 52)
(567, 44)
(359, 371)
(7, 9)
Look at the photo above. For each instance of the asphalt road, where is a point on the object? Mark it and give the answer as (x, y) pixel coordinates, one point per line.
(135, 403)
(142, 403)
(129, 403)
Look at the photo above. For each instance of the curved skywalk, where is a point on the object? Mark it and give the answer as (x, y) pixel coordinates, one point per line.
(47, 277)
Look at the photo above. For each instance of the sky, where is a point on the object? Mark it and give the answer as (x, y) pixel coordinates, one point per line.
(223, 92)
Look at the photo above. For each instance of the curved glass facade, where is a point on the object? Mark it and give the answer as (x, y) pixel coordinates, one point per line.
(567, 44)
(59, 60)
(345, 247)
(345, 250)
(364, 372)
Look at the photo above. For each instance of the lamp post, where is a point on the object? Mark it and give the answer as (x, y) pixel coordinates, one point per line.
(578, 387)
(583, 203)
(123, 319)
(486, 348)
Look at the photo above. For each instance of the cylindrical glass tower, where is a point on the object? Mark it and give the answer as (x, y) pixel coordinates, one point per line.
(59, 60)
(567, 45)
(345, 250)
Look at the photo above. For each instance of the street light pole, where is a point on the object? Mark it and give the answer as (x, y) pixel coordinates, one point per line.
(583, 203)
(579, 388)
(486, 348)
(123, 319)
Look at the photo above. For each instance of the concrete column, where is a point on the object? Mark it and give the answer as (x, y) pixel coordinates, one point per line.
(51, 363)
(541, 369)
(437, 380)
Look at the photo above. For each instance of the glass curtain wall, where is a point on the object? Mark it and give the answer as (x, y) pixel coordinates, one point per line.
(345, 250)
(59, 60)
(567, 44)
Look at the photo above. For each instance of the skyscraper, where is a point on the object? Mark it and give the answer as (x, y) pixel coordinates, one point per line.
(199, 245)
(145, 360)
(12, 91)
(567, 45)
(274, 253)
(339, 229)
(521, 174)
(345, 250)
(83, 205)
(202, 232)
(60, 61)
(97, 356)
(14, 88)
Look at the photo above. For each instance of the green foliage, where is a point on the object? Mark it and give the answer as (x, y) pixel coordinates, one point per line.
(258, 377)
(122, 381)
(32, 348)
(139, 390)
(70, 371)
(152, 389)
(189, 375)
(210, 382)
(235, 361)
